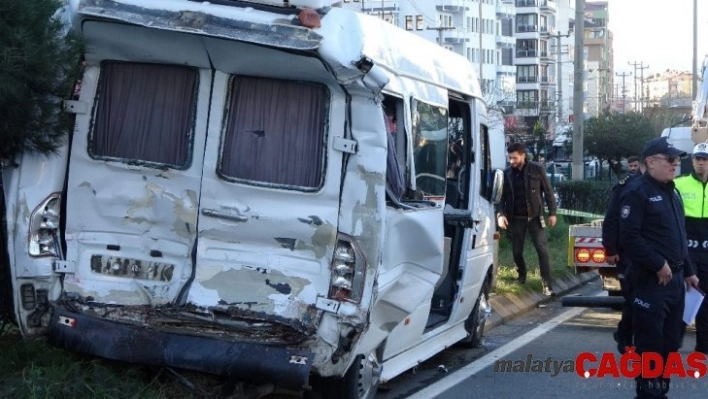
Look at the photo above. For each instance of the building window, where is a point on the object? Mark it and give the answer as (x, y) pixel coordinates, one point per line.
(419, 22)
(409, 22)
(526, 98)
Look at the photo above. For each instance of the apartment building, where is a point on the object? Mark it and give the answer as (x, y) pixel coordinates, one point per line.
(599, 59)
(543, 58)
(668, 89)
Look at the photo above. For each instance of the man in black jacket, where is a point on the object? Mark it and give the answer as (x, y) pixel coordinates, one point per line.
(521, 209)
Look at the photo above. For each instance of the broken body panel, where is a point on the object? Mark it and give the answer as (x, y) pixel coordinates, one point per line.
(224, 201)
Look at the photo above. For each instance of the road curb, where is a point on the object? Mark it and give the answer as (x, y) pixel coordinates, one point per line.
(507, 307)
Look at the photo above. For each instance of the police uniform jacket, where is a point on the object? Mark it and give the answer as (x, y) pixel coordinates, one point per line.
(694, 194)
(652, 226)
(537, 186)
(610, 225)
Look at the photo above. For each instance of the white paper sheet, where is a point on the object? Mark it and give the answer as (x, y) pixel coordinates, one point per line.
(694, 298)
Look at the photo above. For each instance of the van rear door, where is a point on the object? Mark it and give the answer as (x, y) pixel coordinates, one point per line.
(269, 205)
(136, 165)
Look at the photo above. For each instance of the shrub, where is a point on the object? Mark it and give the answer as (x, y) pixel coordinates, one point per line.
(585, 195)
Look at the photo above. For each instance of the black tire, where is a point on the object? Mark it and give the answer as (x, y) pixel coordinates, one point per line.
(475, 321)
(359, 382)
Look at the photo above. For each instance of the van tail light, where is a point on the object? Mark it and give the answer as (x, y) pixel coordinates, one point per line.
(44, 228)
(348, 269)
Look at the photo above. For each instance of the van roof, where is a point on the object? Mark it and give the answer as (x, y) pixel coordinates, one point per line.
(399, 51)
(344, 38)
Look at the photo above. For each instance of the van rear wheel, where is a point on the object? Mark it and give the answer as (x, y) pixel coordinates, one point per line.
(360, 382)
(475, 321)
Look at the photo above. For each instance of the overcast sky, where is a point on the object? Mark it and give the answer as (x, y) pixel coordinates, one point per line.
(658, 33)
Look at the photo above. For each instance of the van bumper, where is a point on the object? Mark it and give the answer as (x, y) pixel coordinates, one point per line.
(286, 367)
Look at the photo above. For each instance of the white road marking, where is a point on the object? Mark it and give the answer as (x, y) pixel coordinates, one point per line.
(487, 360)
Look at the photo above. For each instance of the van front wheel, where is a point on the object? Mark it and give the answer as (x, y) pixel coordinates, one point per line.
(475, 321)
(360, 382)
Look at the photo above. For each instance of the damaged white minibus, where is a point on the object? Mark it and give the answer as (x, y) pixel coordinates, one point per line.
(278, 191)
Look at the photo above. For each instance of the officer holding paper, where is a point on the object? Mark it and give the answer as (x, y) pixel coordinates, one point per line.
(653, 235)
(694, 193)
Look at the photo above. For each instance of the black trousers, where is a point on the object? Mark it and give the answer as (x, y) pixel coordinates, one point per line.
(518, 229)
(624, 327)
(702, 316)
(657, 323)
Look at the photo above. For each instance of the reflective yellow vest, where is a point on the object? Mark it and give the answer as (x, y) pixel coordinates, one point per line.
(694, 194)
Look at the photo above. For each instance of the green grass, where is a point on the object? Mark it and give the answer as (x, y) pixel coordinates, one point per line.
(557, 251)
(33, 369)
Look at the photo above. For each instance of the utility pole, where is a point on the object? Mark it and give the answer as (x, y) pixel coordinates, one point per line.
(624, 90)
(641, 67)
(440, 30)
(695, 51)
(481, 48)
(579, 68)
(634, 64)
(559, 74)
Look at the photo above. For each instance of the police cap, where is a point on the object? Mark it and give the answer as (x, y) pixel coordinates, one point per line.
(661, 146)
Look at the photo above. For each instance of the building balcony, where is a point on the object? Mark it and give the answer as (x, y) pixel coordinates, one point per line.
(527, 104)
(505, 41)
(527, 3)
(543, 105)
(374, 7)
(527, 79)
(456, 37)
(526, 28)
(547, 80)
(505, 10)
(547, 106)
(546, 5)
(528, 56)
(506, 70)
(545, 56)
(452, 6)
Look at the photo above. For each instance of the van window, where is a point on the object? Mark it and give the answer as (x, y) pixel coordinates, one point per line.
(144, 113)
(396, 147)
(486, 165)
(275, 132)
(430, 140)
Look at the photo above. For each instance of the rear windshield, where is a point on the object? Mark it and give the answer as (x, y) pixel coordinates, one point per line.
(275, 133)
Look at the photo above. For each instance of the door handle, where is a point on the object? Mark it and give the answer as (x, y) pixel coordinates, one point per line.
(224, 215)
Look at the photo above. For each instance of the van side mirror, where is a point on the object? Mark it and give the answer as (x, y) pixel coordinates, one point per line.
(497, 186)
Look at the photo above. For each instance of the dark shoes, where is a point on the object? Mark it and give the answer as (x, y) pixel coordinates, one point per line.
(520, 280)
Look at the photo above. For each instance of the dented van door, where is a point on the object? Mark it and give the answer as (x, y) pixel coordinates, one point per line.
(135, 171)
(269, 205)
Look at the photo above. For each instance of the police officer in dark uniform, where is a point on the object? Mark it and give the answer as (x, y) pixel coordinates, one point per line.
(615, 256)
(653, 235)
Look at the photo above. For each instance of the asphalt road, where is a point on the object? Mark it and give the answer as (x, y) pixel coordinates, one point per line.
(459, 373)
